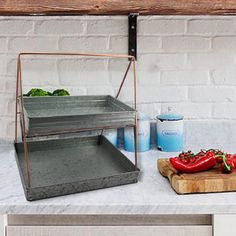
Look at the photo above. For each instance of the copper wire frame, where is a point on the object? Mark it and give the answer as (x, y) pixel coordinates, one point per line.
(19, 86)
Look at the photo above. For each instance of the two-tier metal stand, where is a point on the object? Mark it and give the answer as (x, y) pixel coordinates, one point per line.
(20, 102)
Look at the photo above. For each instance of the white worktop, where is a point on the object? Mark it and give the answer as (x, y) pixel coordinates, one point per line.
(151, 195)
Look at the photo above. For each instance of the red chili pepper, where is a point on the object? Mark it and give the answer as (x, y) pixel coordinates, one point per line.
(221, 157)
(204, 163)
(231, 157)
(185, 160)
(227, 166)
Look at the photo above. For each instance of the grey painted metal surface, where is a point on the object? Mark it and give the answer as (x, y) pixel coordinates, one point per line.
(71, 165)
(50, 115)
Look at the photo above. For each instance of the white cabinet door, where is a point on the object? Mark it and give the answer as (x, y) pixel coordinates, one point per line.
(109, 230)
(224, 225)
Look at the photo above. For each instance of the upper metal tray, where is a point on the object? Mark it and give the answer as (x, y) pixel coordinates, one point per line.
(55, 115)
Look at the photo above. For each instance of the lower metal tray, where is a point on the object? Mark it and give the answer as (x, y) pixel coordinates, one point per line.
(72, 165)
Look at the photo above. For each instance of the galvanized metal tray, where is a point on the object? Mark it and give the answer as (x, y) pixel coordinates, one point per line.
(72, 165)
(50, 115)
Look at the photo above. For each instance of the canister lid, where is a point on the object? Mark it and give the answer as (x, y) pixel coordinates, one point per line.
(170, 116)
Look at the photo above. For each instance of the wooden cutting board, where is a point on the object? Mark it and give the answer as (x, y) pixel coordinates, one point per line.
(203, 182)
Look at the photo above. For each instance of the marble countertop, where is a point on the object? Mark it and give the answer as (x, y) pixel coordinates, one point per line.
(151, 195)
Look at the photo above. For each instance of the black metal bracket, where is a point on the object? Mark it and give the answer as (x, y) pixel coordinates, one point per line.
(133, 34)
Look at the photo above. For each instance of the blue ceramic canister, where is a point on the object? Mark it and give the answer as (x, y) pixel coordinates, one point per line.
(170, 132)
(111, 135)
(143, 135)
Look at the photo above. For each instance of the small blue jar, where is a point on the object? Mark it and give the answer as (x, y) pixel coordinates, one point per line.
(144, 143)
(170, 132)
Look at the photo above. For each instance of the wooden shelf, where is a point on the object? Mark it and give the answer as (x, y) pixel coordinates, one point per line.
(117, 7)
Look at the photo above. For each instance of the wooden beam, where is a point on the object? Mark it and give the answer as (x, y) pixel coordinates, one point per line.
(117, 7)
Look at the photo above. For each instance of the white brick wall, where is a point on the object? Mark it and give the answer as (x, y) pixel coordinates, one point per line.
(185, 43)
(211, 94)
(185, 62)
(9, 26)
(161, 26)
(214, 26)
(59, 27)
(32, 44)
